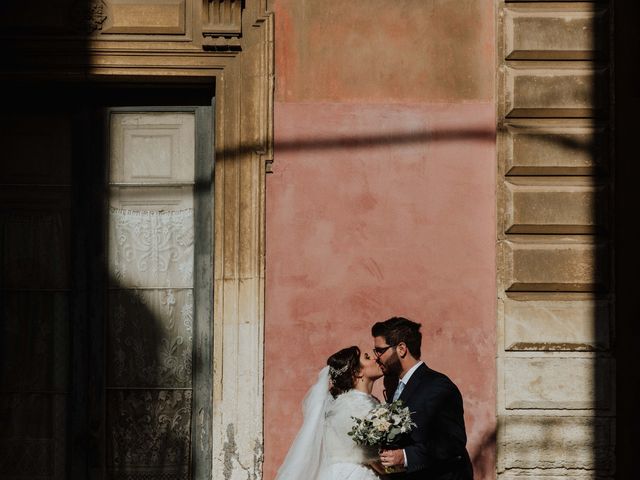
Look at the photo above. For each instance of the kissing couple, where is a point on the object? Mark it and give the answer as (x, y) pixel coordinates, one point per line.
(434, 449)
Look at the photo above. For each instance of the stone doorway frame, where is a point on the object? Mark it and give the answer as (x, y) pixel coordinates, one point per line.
(240, 64)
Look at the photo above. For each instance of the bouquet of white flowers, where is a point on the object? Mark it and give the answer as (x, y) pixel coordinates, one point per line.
(382, 425)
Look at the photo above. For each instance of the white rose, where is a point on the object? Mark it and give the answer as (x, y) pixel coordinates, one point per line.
(382, 425)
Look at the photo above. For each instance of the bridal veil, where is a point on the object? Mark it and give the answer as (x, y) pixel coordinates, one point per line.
(304, 459)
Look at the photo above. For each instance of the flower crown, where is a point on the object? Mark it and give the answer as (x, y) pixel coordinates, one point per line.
(336, 372)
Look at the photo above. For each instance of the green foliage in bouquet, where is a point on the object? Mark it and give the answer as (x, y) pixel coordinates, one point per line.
(382, 425)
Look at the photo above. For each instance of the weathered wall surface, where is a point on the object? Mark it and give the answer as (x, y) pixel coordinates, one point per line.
(382, 197)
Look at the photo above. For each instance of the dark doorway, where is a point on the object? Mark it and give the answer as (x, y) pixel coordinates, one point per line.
(627, 252)
(106, 280)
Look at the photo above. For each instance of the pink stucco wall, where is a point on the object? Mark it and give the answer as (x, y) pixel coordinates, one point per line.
(382, 200)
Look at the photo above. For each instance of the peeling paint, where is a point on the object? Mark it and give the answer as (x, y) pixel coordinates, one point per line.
(230, 449)
(548, 346)
(258, 451)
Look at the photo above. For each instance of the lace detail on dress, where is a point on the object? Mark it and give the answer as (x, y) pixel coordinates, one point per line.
(151, 249)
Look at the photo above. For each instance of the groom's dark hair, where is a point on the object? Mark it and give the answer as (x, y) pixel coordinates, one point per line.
(397, 330)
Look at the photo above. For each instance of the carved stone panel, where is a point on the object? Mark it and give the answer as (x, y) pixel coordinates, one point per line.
(59, 18)
(152, 148)
(150, 434)
(556, 383)
(145, 17)
(556, 91)
(553, 207)
(548, 442)
(560, 325)
(88, 16)
(151, 384)
(572, 267)
(150, 337)
(137, 198)
(151, 249)
(555, 32)
(547, 147)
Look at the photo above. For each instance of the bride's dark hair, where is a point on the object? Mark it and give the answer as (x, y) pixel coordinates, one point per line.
(344, 366)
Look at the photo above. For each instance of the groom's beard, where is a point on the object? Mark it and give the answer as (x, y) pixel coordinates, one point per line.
(392, 368)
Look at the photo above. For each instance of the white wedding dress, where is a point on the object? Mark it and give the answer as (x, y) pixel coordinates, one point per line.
(323, 450)
(343, 458)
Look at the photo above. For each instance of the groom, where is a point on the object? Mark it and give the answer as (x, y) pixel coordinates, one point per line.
(435, 448)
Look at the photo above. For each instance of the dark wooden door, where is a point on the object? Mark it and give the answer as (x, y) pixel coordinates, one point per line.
(106, 288)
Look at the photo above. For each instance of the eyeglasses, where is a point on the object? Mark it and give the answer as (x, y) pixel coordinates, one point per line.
(379, 351)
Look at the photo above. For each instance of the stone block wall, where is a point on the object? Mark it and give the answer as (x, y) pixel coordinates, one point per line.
(555, 371)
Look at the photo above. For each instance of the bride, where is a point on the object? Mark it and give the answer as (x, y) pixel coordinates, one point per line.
(323, 450)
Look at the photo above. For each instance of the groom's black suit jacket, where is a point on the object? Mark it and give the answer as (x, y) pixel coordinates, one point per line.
(436, 447)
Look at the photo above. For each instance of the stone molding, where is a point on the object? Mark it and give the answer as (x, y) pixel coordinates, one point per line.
(222, 24)
(211, 24)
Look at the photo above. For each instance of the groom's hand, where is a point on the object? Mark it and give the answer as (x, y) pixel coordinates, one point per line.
(392, 458)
